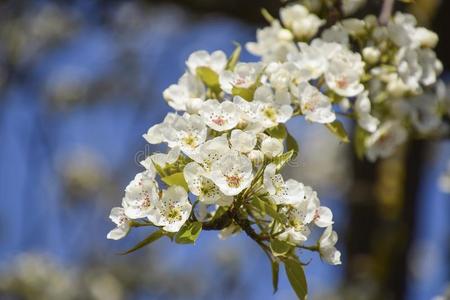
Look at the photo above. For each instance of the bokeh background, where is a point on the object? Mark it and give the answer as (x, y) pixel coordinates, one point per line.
(81, 81)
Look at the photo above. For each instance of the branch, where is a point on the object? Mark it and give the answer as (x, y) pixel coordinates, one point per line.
(386, 12)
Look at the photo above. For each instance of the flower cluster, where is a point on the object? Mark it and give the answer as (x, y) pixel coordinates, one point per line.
(227, 140)
(390, 86)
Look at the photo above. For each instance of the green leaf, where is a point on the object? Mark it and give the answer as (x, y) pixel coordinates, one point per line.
(275, 275)
(246, 93)
(189, 233)
(338, 130)
(359, 142)
(291, 144)
(269, 18)
(234, 58)
(282, 159)
(296, 276)
(266, 207)
(176, 179)
(209, 77)
(278, 131)
(156, 235)
(279, 248)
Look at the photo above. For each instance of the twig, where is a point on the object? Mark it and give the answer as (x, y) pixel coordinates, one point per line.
(386, 12)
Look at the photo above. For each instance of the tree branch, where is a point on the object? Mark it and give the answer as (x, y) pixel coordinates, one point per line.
(386, 12)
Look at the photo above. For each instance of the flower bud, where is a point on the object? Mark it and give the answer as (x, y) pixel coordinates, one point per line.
(256, 156)
(371, 55)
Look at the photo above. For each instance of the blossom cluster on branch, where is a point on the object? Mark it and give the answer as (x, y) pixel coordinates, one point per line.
(228, 141)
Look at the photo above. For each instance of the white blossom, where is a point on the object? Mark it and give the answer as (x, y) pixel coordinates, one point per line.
(273, 43)
(327, 249)
(383, 142)
(122, 221)
(271, 147)
(314, 105)
(216, 61)
(272, 107)
(187, 95)
(281, 192)
(362, 110)
(243, 76)
(141, 194)
(232, 173)
(172, 210)
(163, 159)
(344, 72)
(211, 151)
(203, 187)
(187, 132)
(242, 141)
(302, 23)
(219, 116)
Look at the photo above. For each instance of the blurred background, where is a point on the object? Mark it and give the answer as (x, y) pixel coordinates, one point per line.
(80, 83)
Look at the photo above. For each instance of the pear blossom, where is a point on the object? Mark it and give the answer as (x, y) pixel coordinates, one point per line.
(287, 75)
(219, 116)
(314, 105)
(211, 151)
(303, 24)
(273, 43)
(385, 140)
(242, 141)
(281, 192)
(243, 76)
(203, 187)
(163, 159)
(172, 210)
(272, 107)
(336, 34)
(187, 95)
(297, 230)
(216, 61)
(271, 147)
(327, 248)
(313, 58)
(362, 110)
(344, 72)
(141, 194)
(431, 66)
(232, 173)
(187, 131)
(122, 221)
(321, 216)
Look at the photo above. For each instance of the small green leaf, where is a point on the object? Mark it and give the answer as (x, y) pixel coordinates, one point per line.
(176, 179)
(275, 275)
(278, 131)
(156, 235)
(209, 77)
(266, 207)
(292, 144)
(234, 58)
(189, 233)
(338, 130)
(359, 142)
(246, 93)
(279, 248)
(282, 159)
(296, 276)
(269, 18)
